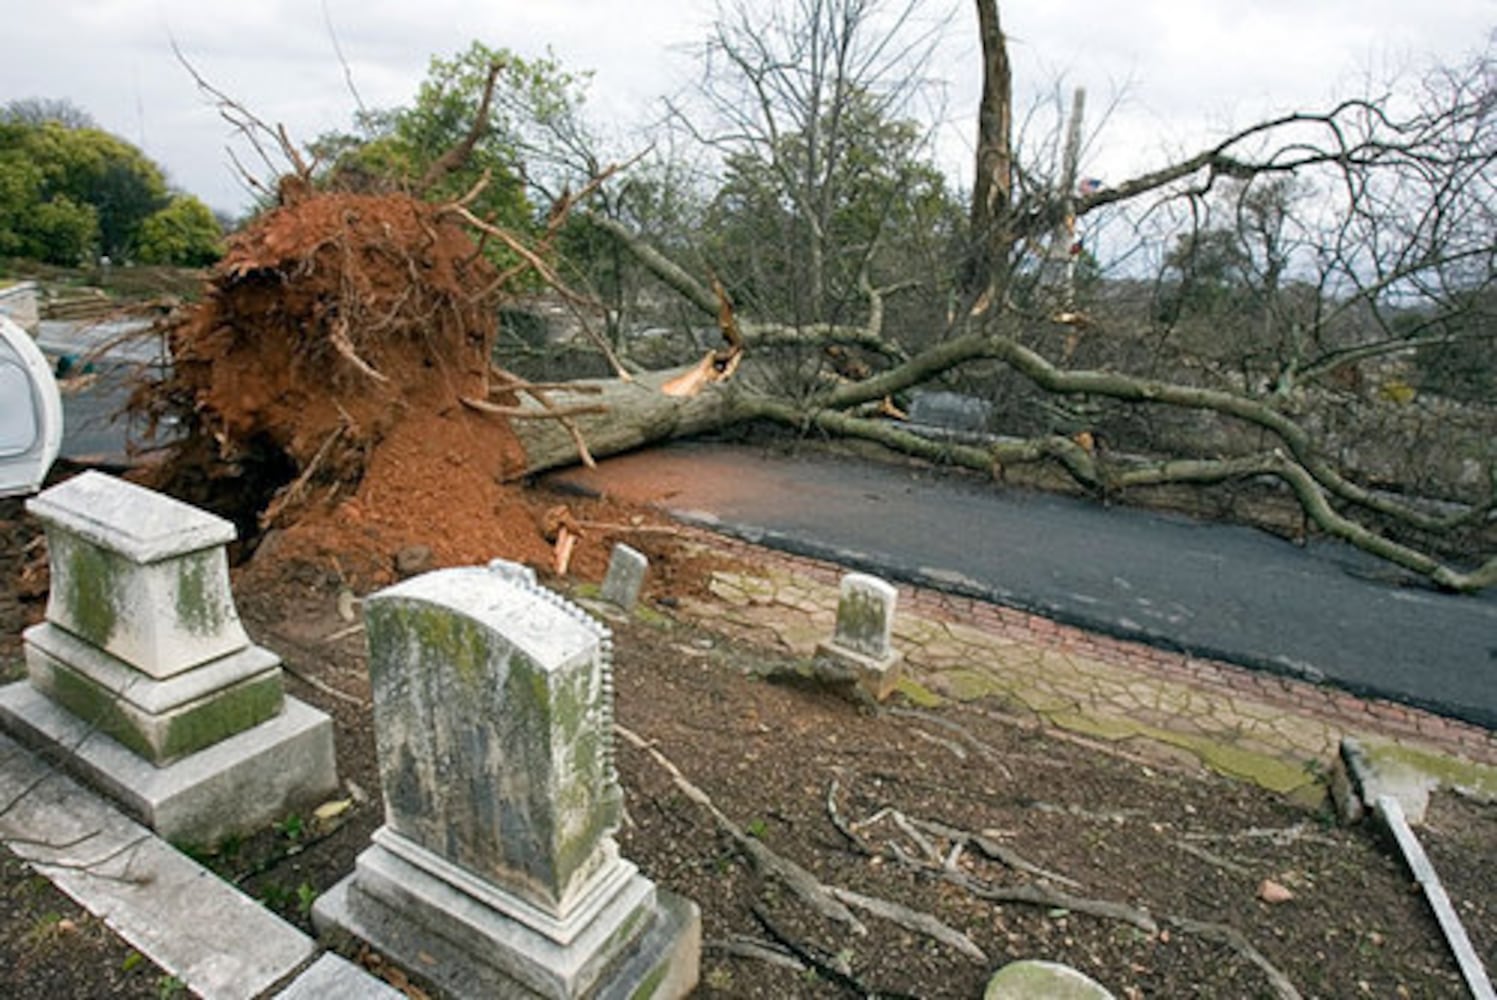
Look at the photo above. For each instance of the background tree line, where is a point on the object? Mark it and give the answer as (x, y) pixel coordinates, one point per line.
(71, 193)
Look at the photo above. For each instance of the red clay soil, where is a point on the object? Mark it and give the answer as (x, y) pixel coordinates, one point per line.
(320, 385)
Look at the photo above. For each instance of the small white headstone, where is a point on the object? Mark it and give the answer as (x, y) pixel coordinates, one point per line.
(865, 615)
(861, 650)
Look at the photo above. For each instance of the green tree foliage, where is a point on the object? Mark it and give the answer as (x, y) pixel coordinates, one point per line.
(67, 193)
(184, 232)
(397, 148)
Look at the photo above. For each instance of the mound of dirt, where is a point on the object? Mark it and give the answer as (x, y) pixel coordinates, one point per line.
(319, 385)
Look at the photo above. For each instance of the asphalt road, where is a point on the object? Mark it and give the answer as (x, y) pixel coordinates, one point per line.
(1325, 612)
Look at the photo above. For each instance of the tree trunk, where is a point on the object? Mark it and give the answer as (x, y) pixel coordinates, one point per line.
(636, 413)
(992, 189)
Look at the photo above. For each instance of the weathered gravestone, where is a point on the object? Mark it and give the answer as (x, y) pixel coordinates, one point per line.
(1032, 979)
(30, 411)
(496, 872)
(861, 649)
(625, 577)
(950, 411)
(142, 644)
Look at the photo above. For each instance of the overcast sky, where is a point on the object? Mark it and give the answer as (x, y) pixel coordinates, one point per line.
(1185, 70)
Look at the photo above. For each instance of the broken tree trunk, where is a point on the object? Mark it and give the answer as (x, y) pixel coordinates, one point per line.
(635, 413)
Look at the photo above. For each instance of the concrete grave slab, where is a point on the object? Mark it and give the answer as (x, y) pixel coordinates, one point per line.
(332, 977)
(217, 941)
(235, 786)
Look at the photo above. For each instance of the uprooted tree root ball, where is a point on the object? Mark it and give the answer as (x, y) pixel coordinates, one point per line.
(318, 385)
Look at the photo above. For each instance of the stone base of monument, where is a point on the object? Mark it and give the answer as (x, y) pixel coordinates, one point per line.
(623, 938)
(874, 676)
(234, 786)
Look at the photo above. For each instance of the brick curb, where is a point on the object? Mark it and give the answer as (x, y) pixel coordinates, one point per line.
(1321, 701)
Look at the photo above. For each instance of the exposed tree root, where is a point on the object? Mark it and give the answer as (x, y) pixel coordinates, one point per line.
(829, 901)
(1040, 894)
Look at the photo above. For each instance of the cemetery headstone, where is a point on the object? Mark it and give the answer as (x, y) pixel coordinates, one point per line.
(142, 644)
(30, 412)
(1032, 979)
(493, 721)
(625, 577)
(861, 648)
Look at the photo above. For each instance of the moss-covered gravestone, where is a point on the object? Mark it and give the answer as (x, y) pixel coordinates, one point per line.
(861, 648)
(496, 872)
(142, 644)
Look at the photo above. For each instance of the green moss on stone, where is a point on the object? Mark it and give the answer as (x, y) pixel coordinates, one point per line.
(98, 707)
(452, 640)
(198, 609)
(651, 983)
(92, 598)
(860, 621)
(970, 685)
(918, 694)
(225, 714)
(1221, 756)
(1479, 780)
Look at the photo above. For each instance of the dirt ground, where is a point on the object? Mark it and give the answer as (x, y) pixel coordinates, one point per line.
(874, 804)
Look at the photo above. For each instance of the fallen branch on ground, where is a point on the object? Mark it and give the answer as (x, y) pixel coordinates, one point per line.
(1043, 895)
(797, 879)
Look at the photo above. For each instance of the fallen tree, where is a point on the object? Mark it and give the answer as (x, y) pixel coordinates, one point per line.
(1002, 315)
(338, 319)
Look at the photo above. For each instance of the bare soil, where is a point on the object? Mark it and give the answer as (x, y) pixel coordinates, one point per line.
(799, 769)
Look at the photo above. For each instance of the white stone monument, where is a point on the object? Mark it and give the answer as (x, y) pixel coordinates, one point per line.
(30, 412)
(861, 648)
(142, 680)
(496, 872)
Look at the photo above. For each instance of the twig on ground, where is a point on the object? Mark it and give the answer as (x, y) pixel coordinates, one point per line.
(1232, 938)
(742, 946)
(912, 920)
(995, 851)
(1044, 895)
(833, 968)
(324, 687)
(1212, 859)
(797, 879)
(1279, 836)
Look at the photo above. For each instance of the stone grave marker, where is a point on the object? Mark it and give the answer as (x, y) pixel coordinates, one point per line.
(861, 648)
(142, 644)
(625, 577)
(493, 721)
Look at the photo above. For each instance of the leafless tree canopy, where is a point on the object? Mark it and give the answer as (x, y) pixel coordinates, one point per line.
(1307, 302)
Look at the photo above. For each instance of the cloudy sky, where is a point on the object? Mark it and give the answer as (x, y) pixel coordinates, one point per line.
(1183, 70)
